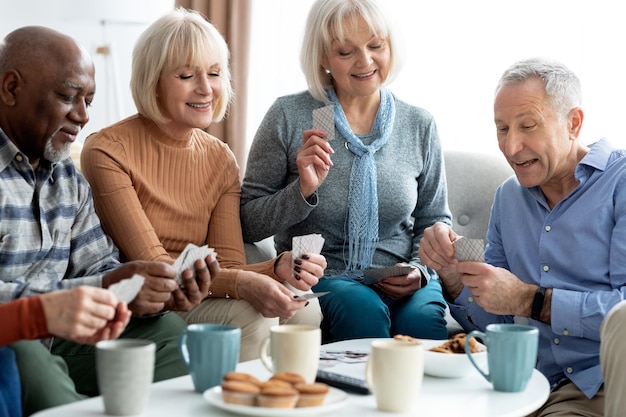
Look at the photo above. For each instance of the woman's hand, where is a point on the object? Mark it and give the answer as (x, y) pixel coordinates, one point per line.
(306, 271)
(268, 296)
(402, 285)
(313, 161)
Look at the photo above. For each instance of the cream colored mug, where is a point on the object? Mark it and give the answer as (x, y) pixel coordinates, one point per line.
(292, 348)
(394, 373)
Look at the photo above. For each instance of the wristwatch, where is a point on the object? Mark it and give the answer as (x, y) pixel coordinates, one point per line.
(535, 313)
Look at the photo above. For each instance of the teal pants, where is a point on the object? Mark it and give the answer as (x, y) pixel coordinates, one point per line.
(68, 372)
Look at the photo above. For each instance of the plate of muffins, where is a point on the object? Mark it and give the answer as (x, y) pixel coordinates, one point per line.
(284, 394)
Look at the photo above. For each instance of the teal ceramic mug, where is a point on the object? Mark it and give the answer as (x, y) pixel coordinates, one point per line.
(209, 351)
(511, 354)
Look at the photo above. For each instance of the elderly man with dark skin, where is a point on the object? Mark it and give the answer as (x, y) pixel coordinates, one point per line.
(51, 237)
(556, 243)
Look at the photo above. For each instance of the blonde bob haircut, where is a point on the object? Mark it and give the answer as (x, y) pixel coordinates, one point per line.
(181, 37)
(327, 21)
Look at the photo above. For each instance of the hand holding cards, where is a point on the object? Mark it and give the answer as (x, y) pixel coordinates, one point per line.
(374, 275)
(469, 249)
(188, 257)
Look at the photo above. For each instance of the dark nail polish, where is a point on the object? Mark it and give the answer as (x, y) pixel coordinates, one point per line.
(297, 277)
(305, 256)
(298, 262)
(297, 269)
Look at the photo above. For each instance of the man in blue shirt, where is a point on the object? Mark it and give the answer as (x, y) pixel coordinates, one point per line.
(556, 244)
(50, 236)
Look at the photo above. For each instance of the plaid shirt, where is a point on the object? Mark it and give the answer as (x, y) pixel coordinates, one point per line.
(50, 235)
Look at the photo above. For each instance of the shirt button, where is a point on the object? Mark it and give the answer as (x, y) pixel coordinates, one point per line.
(19, 158)
(470, 299)
(547, 228)
(566, 332)
(557, 341)
(569, 370)
(546, 268)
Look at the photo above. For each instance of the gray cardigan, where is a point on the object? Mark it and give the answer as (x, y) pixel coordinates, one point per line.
(409, 166)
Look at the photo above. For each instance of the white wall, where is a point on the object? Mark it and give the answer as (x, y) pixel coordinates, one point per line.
(455, 52)
(115, 24)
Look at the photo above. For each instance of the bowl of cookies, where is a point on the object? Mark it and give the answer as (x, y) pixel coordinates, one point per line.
(447, 358)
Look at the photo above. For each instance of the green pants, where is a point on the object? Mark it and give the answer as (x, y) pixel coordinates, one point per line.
(48, 380)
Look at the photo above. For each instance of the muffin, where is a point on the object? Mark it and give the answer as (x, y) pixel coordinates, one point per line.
(275, 396)
(240, 392)
(241, 376)
(311, 395)
(290, 377)
(275, 382)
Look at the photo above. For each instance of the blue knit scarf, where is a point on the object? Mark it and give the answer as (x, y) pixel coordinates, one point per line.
(363, 196)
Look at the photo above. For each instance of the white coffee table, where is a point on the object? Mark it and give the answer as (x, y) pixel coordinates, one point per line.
(467, 396)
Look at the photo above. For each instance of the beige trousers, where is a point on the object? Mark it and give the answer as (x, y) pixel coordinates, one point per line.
(611, 399)
(613, 360)
(254, 327)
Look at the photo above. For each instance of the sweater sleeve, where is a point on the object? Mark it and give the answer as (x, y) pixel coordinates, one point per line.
(225, 236)
(271, 198)
(22, 319)
(135, 174)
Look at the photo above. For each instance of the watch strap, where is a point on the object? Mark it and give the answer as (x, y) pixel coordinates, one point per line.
(535, 312)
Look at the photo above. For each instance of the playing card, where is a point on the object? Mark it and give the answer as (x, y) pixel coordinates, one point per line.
(324, 119)
(312, 243)
(374, 275)
(469, 249)
(188, 257)
(300, 245)
(127, 289)
(310, 295)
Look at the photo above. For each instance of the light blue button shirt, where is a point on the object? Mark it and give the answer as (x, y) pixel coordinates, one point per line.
(578, 249)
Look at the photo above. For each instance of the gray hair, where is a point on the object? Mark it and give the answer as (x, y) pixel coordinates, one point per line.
(326, 22)
(562, 85)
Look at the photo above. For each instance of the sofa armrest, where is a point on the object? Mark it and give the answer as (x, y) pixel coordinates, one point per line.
(260, 251)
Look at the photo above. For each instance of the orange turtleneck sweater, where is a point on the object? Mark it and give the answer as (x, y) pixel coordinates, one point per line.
(155, 194)
(22, 319)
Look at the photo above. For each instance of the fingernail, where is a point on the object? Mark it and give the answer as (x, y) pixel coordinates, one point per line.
(305, 256)
(297, 269)
(307, 303)
(297, 262)
(297, 277)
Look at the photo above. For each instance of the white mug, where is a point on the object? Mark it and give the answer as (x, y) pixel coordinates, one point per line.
(394, 373)
(125, 369)
(293, 348)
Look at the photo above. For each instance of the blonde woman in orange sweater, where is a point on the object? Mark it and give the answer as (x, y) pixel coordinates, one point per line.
(160, 181)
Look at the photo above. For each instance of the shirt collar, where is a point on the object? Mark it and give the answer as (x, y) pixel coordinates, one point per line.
(8, 150)
(598, 158)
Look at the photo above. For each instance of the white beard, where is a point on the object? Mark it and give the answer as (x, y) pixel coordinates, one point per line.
(56, 155)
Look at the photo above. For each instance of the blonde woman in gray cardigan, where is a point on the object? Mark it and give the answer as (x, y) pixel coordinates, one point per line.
(370, 191)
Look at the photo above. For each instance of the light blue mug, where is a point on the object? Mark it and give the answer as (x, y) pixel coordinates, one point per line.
(511, 354)
(209, 351)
